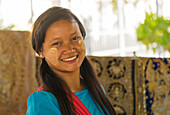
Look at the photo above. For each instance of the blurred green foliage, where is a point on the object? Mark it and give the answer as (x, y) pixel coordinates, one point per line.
(154, 31)
(9, 27)
(114, 3)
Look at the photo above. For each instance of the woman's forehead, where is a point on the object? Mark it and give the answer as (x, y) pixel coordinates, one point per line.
(62, 28)
(63, 24)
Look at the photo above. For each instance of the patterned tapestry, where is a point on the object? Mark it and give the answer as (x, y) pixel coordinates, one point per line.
(153, 86)
(115, 74)
(17, 72)
(135, 86)
(139, 86)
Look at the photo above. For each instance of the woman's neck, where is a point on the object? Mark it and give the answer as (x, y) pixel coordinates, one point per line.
(72, 79)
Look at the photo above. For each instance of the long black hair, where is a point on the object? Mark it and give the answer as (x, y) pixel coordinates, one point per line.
(53, 83)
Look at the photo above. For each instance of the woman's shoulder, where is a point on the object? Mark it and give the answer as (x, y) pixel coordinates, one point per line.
(41, 94)
(42, 97)
(40, 101)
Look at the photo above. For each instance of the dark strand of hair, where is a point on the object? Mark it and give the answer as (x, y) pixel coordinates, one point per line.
(94, 87)
(57, 87)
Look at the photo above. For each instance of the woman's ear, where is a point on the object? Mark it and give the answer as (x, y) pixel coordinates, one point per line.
(40, 55)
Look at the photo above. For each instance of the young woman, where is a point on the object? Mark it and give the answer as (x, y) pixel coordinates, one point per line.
(70, 85)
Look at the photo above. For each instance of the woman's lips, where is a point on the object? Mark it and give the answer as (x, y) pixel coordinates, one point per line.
(69, 59)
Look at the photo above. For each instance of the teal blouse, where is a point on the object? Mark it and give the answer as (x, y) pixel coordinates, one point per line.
(45, 103)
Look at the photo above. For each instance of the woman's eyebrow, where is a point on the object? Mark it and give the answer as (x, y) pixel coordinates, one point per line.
(57, 38)
(53, 39)
(75, 32)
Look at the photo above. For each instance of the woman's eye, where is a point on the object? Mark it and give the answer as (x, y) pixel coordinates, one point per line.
(75, 38)
(57, 43)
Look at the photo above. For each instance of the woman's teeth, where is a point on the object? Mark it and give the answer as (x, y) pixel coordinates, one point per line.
(69, 59)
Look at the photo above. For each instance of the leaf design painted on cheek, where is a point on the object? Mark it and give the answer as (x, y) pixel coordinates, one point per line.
(52, 55)
(81, 42)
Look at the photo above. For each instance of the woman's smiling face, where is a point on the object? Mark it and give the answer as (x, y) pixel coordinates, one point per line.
(63, 48)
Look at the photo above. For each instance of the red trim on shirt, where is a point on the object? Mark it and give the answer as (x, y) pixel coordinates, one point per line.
(79, 106)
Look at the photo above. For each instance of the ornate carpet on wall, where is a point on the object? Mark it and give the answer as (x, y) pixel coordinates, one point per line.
(139, 86)
(17, 72)
(153, 86)
(115, 74)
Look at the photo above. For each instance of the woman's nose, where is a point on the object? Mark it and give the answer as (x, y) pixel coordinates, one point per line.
(68, 48)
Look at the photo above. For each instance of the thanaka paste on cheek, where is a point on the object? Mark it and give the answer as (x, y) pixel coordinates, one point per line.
(81, 42)
(52, 55)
